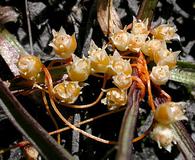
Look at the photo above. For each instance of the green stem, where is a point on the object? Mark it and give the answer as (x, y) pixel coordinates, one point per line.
(147, 10)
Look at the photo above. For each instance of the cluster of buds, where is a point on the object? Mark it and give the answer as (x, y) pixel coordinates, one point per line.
(165, 115)
(118, 69)
(157, 51)
(152, 43)
(133, 41)
(113, 66)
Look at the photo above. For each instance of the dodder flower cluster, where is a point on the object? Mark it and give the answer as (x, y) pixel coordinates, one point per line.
(151, 42)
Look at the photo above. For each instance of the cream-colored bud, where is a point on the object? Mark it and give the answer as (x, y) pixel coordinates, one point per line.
(170, 112)
(160, 74)
(63, 44)
(99, 58)
(79, 69)
(140, 27)
(67, 91)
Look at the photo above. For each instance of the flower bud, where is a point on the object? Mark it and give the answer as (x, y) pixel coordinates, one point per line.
(79, 69)
(115, 98)
(29, 66)
(140, 27)
(99, 58)
(160, 74)
(67, 91)
(63, 44)
(170, 112)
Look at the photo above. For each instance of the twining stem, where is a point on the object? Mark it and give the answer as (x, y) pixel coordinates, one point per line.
(50, 115)
(90, 104)
(77, 129)
(87, 121)
(29, 127)
(48, 81)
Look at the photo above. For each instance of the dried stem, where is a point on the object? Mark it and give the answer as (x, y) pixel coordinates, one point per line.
(29, 26)
(128, 124)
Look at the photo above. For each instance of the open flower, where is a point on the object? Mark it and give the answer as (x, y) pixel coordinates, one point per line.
(136, 41)
(79, 69)
(67, 91)
(63, 44)
(120, 40)
(165, 32)
(166, 57)
(115, 98)
(151, 47)
(164, 136)
(160, 74)
(99, 58)
(122, 81)
(29, 66)
(119, 65)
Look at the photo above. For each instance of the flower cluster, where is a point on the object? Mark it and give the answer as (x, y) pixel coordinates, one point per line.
(165, 115)
(152, 43)
(113, 66)
(133, 41)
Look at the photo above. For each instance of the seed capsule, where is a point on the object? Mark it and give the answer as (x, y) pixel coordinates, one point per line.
(170, 112)
(166, 57)
(165, 32)
(119, 65)
(63, 44)
(99, 58)
(79, 70)
(164, 136)
(122, 81)
(115, 98)
(121, 40)
(140, 27)
(160, 74)
(29, 66)
(67, 91)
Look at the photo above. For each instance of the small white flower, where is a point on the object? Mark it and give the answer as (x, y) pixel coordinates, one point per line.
(160, 74)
